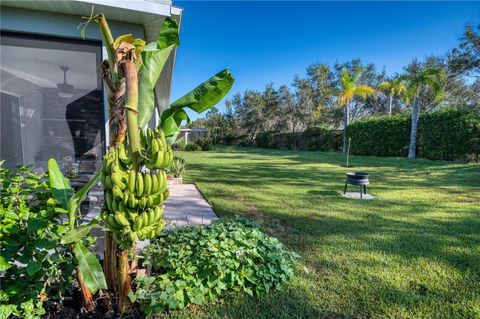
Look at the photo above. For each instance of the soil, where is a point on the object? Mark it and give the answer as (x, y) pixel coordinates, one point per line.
(72, 309)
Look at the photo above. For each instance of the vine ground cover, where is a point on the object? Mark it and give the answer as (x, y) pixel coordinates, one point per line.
(413, 252)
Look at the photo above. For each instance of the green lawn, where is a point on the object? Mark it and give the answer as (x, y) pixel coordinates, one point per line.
(413, 252)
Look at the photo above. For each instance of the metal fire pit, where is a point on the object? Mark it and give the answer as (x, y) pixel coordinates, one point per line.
(359, 179)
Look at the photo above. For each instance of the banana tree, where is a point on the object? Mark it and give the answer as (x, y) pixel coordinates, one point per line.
(89, 271)
(133, 169)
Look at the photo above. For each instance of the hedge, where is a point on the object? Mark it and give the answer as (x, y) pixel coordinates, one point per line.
(448, 134)
(312, 139)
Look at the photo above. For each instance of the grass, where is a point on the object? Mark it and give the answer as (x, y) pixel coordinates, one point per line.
(412, 252)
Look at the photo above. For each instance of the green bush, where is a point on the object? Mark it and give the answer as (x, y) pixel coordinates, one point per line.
(320, 139)
(196, 264)
(312, 139)
(34, 264)
(381, 136)
(192, 147)
(448, 134)
(205, 143)
(180, 145)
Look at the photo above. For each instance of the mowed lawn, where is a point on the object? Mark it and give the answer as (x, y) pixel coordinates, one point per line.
(412, 252)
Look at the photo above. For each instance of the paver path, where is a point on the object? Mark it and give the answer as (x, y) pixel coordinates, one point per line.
(186, 207)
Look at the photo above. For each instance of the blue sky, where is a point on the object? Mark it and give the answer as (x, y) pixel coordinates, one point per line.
(263, 42)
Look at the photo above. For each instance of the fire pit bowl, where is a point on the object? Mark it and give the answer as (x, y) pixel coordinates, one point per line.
(357, 178)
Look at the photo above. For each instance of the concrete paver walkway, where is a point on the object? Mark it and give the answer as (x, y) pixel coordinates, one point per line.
(186, 207)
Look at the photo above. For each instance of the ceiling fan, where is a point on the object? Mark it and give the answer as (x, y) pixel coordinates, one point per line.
(65, 90)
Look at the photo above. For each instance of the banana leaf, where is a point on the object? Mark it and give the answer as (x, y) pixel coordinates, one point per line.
(154, 57)
(171, 120)
(168, 34)
(77, 199)
(206, 94)
(90, 268)
(199, 99)
(59, 184)
(75, 234)
(152, 67)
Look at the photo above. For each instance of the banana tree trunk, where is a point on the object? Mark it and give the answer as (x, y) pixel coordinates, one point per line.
(390, 100)
(413, 132)
(131, 108)
(346, 121)
(117, 131)
(87, 297)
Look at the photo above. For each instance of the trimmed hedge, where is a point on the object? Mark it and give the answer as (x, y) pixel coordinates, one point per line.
(380, 136)
(312, 139)
(448, 134)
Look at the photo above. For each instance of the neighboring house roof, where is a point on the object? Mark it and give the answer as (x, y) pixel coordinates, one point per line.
(121, 14)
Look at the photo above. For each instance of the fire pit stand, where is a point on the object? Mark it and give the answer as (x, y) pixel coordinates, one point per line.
(359, 179)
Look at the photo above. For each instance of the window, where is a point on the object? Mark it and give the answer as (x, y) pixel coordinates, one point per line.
(51, 103)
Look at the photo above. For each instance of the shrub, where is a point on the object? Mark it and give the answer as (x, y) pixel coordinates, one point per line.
(35, 265)
(192, 147)
(312, 139)
(320, 139)
(381, 136)
(205, 143)
(448, 134)
(196, 264)
(180, 145)
(177, 167)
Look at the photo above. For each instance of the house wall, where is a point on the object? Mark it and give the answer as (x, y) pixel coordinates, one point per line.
(55, 24)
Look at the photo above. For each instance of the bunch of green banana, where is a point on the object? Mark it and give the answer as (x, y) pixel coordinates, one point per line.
(135, 192)
(158, 153)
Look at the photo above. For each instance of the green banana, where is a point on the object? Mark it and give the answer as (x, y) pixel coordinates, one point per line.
(139, 184)
(154, 184)
(108, 182)
(117, 192)
(131, 181)
(121, 219)
(147, 180)
(117, 180)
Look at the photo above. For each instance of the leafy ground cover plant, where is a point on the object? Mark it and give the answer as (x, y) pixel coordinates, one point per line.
(196, 264)
(35, 265)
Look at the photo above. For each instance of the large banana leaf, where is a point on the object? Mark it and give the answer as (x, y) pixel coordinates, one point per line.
(154, 57)
(199, 99)
(206, 94)
(153, 64)
(77, 199)
(168, 34)
(171, 120)
(59, 185)
(90, 268)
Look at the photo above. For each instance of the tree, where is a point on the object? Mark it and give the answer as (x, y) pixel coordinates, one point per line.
(349, 87)
(250, 114)
(323, 81)
(393, 88)
(466, 58)
(421, 80)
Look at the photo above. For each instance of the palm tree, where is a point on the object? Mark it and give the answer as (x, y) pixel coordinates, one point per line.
(349, 88)
(429, 79)
(393, 88)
